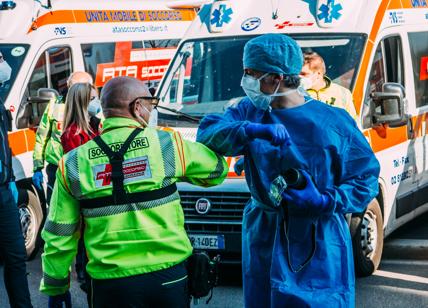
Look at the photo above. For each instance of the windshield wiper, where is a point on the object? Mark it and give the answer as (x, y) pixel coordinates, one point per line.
(182, 114)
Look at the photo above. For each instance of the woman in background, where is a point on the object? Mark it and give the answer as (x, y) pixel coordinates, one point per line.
(80, 122)
(81, 125)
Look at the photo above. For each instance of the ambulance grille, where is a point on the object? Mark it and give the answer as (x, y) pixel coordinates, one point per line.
(225, 214)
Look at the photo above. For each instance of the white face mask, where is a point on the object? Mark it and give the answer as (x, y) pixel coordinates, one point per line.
(5, 72)
(94, 107)
(153, 119)
(251, 87)
(306, 83)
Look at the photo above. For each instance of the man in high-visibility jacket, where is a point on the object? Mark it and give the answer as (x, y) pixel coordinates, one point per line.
(320, 87)
(123, 183)
(48, 137)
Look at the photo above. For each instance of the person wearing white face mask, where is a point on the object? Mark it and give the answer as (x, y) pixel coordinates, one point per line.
(80, 122)
(123, 183)
(48, 137)
(295, 251)
(315, 81)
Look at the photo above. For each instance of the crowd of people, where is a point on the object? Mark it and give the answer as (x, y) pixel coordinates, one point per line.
(114, 204)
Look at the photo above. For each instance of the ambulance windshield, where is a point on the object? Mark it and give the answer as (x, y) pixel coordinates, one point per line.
(205, 74)
(11, 58)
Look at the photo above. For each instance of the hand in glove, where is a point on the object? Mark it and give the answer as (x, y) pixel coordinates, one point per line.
(239, 166)
(14, 191)
(38, 179)
(307, 198)
(57, 301)
(277, 134)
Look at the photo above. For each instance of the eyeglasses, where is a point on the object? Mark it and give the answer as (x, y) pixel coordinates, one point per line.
(151, 99)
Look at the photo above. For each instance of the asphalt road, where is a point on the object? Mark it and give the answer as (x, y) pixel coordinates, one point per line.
(401, 282)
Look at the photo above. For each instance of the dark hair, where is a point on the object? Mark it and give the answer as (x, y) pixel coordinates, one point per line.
(291, 81)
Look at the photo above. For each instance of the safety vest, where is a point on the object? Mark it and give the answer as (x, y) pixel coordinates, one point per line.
(48, 136)
(134, 222)
(335, 95)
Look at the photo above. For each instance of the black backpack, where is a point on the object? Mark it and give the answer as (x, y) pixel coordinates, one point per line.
(203, 274)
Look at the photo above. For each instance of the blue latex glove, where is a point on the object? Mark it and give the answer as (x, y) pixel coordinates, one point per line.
(57, 301)
(14, 190)
(309, 197)
(38, 179)
(239, 166)
(277, 134)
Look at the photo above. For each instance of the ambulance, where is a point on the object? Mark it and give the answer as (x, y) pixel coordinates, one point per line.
(43, 42)
(378, 49)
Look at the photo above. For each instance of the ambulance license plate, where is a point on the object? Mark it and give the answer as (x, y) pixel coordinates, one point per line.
(200, 241)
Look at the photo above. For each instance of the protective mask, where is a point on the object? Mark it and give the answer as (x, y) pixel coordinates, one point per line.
(306, 83)
(5, 72)
(152, 122)
(251, 87)
(153, 119)
(257, 97)
(94, 107)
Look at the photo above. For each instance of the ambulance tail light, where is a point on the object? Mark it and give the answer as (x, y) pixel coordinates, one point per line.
(7, 5)
(189, 4)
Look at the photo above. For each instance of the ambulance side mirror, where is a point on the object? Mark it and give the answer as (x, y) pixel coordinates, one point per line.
(388, 106)
(31, 111)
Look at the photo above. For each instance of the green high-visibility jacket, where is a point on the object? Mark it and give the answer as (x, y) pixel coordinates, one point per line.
(48, 136)
(127, 239)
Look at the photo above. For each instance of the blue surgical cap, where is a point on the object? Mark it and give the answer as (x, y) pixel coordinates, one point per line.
(273, 53)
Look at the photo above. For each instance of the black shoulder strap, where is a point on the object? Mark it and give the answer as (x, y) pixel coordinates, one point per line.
(116, 160)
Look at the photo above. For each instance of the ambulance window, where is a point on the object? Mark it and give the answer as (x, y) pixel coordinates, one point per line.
(419, 50)
(39, 78)
(98, 57)
(377, 75)
(394, 60)
(51, 71)
(60, 68)
(387, 66)
(171, 43)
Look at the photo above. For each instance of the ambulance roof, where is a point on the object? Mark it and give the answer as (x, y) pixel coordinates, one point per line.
(30, 15)
(252, 17)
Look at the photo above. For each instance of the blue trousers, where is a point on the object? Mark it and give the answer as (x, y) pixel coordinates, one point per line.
(12, 251)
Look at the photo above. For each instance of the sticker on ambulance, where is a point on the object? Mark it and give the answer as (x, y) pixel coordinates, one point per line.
(251, 24)
(134, 169)
(17, 51)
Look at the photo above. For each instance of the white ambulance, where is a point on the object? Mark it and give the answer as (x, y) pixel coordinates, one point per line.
(42, 42)
(376, 48)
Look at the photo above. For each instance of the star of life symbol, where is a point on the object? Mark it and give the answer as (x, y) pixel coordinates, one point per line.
(330, 11)
(221, 15)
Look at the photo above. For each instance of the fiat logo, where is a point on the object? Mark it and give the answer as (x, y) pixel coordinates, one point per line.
(202, 206)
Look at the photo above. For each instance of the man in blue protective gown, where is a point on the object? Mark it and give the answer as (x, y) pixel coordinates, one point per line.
(297, 254)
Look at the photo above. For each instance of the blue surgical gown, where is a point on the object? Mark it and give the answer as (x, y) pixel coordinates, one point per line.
(327, 143)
